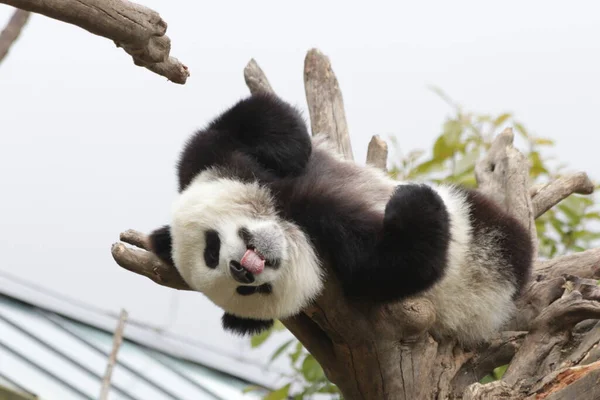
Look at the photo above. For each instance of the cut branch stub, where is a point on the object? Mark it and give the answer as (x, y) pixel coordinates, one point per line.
(547, 196)
(255, 78)
(325, 102)
(377, 153)
(139, 30)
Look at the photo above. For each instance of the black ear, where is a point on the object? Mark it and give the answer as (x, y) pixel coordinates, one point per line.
(160, 244)
(245, 326)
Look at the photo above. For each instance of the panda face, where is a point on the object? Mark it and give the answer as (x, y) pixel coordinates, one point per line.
(230, 244)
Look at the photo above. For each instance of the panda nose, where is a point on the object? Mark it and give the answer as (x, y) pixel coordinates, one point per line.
(239, 273)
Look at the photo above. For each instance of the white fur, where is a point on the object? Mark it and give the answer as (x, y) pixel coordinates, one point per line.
(225, 205)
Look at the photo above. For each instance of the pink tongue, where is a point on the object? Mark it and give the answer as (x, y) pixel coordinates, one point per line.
(252, 262)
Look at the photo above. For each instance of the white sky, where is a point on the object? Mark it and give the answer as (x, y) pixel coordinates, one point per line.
(88, 141)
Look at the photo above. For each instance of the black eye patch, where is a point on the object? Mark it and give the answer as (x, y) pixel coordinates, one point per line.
(211, 251)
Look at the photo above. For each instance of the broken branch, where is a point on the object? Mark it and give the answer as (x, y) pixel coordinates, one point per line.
(139, 30)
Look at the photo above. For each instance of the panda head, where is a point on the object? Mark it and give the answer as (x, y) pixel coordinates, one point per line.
(229, 243)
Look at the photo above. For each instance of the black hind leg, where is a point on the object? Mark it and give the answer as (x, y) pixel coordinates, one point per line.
(413, 250)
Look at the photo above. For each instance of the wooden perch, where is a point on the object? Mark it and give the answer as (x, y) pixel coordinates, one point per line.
(139, 30)
(12, 31)
(385, 352)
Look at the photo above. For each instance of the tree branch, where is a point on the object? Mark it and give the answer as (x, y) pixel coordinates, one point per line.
(547, 196)
(377, 153)
(255, 78)
(145, 263)
(12, 31)
(325, 102)
(139, 30)
(585, 264)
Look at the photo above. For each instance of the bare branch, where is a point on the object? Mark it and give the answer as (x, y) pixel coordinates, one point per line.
(145, 263)
(585, 264)
(547, 196)
(12, 31)
(117, 340)
(255, 78)
(377, 153)
(325, 102)
(139, 30)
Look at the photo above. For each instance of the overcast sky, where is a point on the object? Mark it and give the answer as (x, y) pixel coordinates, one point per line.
(88, 141)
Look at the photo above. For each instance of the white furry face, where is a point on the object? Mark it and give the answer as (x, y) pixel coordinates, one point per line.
(214, 222)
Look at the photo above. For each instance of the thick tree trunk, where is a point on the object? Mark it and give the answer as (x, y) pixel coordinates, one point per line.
(381, 353)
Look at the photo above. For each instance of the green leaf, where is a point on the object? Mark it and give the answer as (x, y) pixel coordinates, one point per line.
(452, 132)
(433, 165)
(259, 339)
(499, 372)
(502, 118)
(251, 388)
(278, 326)
(543, 142)
(467, 163)
(487, 379)
(296, 354)
(280, 350)
(521, 130)
(278, 394)
(311, 369)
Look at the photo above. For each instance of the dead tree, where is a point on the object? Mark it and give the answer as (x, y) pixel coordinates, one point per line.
(380, 353)
(139, 30)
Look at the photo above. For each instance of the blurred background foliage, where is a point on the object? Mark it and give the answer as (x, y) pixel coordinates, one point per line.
(465, 137)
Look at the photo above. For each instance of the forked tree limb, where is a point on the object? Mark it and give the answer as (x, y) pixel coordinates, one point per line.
(11, 32)
(139, 30)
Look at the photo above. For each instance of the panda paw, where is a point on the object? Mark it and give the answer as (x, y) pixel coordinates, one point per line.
(244, 326)
(415, 209)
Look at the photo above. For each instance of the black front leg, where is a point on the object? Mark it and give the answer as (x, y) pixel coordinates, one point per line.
(245, 326)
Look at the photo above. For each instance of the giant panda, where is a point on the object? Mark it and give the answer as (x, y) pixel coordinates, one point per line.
(262, 207)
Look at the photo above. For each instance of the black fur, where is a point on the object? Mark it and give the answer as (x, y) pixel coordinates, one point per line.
(258, 135)
(244, 326)
(160, 244)
(212, 249)
(515, 241)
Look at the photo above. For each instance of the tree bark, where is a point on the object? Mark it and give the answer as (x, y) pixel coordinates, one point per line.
(139, 30)
(11, 32)
(385, 352)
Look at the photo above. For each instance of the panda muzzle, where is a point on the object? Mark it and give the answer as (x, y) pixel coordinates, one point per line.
(253, 261)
